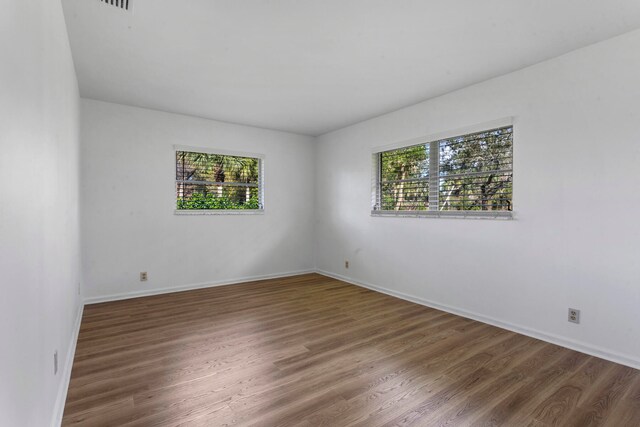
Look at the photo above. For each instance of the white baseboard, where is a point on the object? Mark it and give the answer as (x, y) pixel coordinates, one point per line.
(190, 287)
(582, 347)
(66, 373)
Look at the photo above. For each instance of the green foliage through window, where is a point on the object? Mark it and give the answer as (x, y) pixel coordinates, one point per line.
(217, 182)
(473, 173)
(405, 178)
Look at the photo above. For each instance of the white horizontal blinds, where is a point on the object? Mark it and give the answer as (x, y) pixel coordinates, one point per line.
(216, 181)
(434, 194)
(375, 187)
(476, 171)
(404, 178)
(260, 183)
(465, 173)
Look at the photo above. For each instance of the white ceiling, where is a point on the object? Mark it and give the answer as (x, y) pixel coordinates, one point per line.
(312, 66)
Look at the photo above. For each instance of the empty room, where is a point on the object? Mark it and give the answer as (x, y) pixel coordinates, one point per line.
(319, 213)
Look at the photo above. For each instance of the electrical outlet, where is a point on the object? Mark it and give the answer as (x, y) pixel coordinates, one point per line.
(346, 264)
(574, 315)
(55, 363)
(143, 276)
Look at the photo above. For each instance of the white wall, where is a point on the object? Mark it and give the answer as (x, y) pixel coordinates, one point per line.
(576, 239)
(128, 202)
(39, 225)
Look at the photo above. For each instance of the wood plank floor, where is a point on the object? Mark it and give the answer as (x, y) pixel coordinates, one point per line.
(314, 351)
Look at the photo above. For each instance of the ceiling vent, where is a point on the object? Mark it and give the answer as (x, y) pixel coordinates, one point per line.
(121, 4)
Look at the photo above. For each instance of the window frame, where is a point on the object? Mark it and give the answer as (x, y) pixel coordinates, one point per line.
(221, 152)
(434, 140)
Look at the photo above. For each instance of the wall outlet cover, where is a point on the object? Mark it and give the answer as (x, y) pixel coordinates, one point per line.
(574, 315)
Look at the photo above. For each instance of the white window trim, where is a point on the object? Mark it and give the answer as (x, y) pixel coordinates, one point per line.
(433, 138)
(209, 150)
(219, 212)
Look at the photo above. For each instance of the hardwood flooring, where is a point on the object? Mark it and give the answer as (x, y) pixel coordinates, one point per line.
(313, 351)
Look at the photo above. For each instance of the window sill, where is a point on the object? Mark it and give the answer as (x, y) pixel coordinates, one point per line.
(218, 212)
(447, 214)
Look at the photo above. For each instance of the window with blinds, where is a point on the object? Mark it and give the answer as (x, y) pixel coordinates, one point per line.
(467, 175)
(207, 181)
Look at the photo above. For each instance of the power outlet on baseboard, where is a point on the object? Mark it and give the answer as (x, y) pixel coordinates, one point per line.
(143, 276)
(574, 315)
(55, 362)
(346, 264)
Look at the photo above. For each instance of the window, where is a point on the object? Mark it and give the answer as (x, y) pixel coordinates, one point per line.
(217, 182)
(468, 175)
